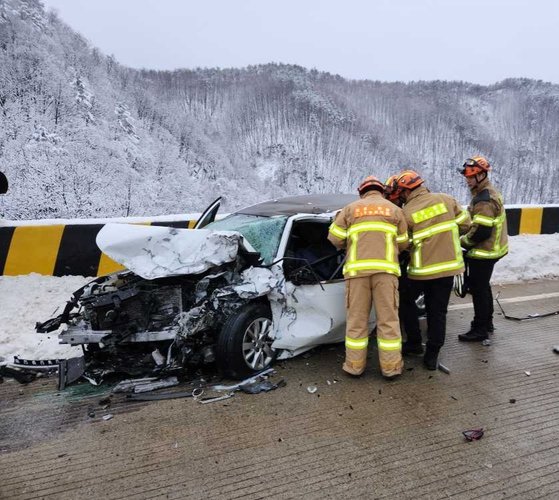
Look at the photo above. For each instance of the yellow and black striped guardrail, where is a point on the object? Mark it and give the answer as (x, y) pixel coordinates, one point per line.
(59, 250)
(70, 249)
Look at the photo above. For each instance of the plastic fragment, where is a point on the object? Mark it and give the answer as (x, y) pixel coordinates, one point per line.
(527, 373)
(556, 349)
(108, 416)
(311, 389)
(473, 434)
(257, 387)
(512, 400)
(213, 400)
(486, 342)
(443, 368)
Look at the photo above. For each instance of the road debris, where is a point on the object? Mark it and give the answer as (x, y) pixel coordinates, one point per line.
(527, 373)
(214, 400)
(527, 317)
(257, 387)
(473, 434)
(556, 349)
(486, 342)
(443, 368)
(311, 389)
(108, 416)
(512, 400)
(145, 384)
(248, 380)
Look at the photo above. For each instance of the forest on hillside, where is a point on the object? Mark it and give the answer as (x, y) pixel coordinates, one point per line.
(84, 136)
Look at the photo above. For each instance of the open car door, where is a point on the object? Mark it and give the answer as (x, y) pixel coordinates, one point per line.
(209, 214)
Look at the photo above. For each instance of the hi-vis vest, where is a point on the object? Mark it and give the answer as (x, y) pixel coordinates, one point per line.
(435, 221)
(487, 210)
(373, 230)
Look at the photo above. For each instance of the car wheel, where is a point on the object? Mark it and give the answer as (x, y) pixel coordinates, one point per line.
(244, 346)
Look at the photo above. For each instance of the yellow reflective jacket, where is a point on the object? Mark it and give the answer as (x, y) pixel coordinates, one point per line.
(372, 230)
(435, 222)
(488, 237)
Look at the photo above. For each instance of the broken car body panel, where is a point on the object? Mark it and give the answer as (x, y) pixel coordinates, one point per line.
(158, 252)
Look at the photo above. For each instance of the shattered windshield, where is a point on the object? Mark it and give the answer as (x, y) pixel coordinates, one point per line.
(263, 233)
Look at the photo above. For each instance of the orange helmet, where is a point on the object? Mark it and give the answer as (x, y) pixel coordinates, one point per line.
(370, 182)
(408, 179)
(475, 165)
(391, 191)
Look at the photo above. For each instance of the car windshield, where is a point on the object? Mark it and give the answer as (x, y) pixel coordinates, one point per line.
(263, 233)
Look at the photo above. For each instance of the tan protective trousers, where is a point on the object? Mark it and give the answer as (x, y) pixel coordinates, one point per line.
(380, 290)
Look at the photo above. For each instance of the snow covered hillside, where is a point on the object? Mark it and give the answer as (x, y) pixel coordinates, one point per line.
(83, 136)
(28, 299)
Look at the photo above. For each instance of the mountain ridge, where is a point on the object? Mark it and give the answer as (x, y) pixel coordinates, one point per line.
(83, 136)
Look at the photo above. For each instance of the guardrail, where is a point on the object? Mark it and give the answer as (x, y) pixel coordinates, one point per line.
(60, 248)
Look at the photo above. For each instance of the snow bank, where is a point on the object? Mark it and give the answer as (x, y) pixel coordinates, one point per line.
(24, 300)
(530, 257)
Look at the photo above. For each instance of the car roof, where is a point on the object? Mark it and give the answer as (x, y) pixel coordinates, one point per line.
(304, 204)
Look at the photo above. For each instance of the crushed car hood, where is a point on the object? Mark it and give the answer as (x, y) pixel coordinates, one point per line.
(157, 252)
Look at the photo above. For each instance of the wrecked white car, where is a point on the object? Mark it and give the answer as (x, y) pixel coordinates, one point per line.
(261, 284)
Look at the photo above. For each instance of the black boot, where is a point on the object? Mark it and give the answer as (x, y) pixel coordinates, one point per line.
(430, 360)
(474, 335)
(412, 348)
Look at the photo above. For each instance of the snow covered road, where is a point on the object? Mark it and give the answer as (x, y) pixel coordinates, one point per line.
(25, 300)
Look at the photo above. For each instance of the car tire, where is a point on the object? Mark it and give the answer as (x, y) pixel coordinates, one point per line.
(244, 346)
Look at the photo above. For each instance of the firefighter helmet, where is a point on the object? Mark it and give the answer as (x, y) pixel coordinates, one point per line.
(475, 165)
(391, 191)
(370, 182)
(408, 179)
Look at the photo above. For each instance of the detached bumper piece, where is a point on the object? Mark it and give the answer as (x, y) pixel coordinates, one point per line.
(70, 370)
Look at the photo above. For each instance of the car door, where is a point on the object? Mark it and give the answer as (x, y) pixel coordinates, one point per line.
(315, 310)
(209, 214)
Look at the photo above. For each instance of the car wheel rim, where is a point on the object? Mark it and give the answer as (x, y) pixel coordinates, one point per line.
(257, 344)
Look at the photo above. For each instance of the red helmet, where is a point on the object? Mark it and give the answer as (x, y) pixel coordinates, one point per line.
(370, 182)
(391, 191)
(475, 165)
(408, 179)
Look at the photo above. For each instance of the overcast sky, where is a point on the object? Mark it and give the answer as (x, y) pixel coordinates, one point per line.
(481, 41)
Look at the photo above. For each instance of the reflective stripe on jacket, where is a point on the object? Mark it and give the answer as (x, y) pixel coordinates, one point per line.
(372, 230)
(435, 222)
(487, 211)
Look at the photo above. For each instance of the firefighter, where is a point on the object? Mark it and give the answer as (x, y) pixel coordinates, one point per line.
(486, 242)
(408, 294)
(435, 221)
(372, 230)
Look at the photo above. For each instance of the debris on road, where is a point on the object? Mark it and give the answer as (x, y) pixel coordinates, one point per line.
(473, 434)
(527, 373)
(213, 400)
(486, 342)
(512, 400)
(145, 384)
(443, 368)
(311, 389)
(257, 387)
(556, 349)
(108, 416)
(523, 318)
(248, 380)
